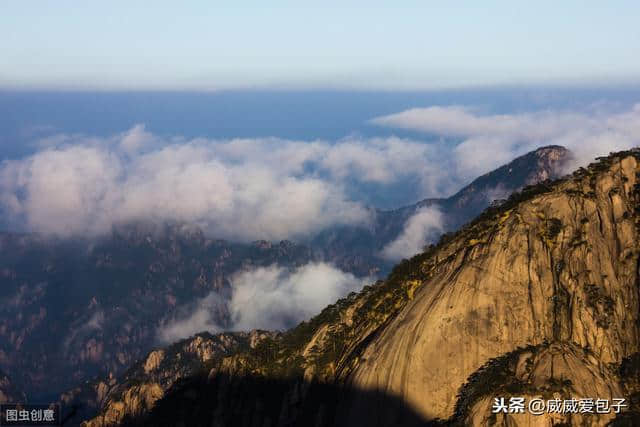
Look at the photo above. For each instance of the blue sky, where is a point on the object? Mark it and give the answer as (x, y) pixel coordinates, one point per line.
(205, 45)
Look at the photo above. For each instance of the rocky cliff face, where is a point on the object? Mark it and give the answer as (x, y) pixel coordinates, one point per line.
(536, 297)
(561, 267)
(147, 381)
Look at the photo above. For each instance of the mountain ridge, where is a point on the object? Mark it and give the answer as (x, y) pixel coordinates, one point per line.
(551, 236)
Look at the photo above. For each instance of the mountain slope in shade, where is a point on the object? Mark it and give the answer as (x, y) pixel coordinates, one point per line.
(538, 297)
(8, 392)
(76, 309)
(162, 368)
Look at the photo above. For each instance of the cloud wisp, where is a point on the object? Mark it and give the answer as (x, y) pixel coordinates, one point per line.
(485, 142)
(422, 227)
(273, 297)
(202, 317)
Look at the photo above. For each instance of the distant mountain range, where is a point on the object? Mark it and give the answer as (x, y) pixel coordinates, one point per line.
(76, 309)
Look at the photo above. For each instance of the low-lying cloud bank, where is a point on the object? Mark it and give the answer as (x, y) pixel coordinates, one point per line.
(275, 298)
(271, 297)
(488, 141)
(269, 188)
(242, 189)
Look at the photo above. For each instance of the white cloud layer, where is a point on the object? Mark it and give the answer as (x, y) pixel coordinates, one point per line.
(243, 189)
(267, 298)
(269, 188)
(274, 298)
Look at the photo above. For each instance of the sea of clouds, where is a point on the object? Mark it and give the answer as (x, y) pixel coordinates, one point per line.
(270, 188)
(240, 189)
